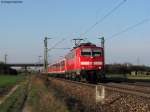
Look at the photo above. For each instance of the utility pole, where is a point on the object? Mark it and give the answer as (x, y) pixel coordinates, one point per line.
(45, 54)
(39, 59)
(103, 46)
(5, 58)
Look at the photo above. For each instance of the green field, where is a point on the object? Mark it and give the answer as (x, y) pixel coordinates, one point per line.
(9, 80)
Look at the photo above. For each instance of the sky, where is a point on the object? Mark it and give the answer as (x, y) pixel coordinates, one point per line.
(23, 27)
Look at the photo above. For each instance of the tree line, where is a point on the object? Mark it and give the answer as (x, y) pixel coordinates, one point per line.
(126, 68)
(5, 69)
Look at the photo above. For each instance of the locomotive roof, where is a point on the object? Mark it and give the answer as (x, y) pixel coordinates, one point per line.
(86, 44)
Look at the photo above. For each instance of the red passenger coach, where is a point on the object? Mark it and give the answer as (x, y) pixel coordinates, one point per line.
(57, 69)
(85, 61)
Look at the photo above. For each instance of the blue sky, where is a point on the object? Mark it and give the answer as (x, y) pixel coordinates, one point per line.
(24, 26)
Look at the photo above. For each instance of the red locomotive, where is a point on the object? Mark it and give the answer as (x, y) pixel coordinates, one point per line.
(84, 62)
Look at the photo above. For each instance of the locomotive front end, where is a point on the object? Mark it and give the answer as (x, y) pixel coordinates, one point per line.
(92, 63)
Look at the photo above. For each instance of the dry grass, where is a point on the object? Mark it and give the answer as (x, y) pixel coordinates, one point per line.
(41, 100)
(77, 97)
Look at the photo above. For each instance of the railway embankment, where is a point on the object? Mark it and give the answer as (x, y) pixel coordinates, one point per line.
(124, 100)
(101, 98)
(77, 97)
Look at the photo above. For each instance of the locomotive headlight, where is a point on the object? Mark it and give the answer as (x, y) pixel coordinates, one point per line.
(83, 67)
(100, 67)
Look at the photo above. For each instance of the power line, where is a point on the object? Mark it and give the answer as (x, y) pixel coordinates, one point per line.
(53, 47)
(103, 18)
(129, 28)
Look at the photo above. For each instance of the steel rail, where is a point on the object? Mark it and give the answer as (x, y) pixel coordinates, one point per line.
(117, 87)
(128, 89)
(142, 84)
(76, 82)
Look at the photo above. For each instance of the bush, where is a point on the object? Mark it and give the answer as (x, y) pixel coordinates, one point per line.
(5, 69)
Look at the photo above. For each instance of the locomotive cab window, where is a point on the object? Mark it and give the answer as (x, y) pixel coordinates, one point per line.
(96, 52)
(86, 52)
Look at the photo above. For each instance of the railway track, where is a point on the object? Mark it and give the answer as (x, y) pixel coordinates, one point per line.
(139, 89)
(76, 82)
(128, 89)
(142, 84)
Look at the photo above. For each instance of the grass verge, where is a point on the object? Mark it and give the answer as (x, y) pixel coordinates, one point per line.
(8, 81)
(40, 99)
(16, 100)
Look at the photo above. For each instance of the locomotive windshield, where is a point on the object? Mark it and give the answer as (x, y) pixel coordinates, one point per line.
(91, 52)
(96, 52)
(86, 52)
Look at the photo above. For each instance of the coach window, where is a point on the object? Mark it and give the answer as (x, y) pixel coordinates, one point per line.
(96, 52)
(86, 52)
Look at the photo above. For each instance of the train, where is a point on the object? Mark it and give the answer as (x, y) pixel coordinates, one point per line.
(84, 62)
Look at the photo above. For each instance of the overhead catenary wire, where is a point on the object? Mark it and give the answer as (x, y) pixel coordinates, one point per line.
(59, 42)
(129, 28)
(53, 47)
(103, 18)
(97, 22)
